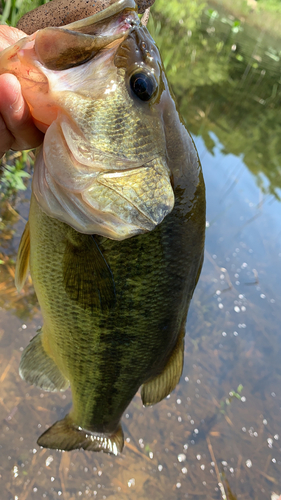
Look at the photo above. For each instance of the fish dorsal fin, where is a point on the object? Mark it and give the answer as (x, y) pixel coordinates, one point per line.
(37, 368)
(22, 265)
(163, 384)
(65, 435)
(88, 278)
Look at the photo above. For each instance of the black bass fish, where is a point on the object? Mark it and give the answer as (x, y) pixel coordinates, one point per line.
(96, 104)
(114, 306)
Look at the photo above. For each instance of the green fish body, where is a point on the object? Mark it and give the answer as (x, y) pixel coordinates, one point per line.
(114, 308)
(107, 342)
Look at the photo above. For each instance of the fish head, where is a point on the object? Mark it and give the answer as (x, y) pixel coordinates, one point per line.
(95, 86)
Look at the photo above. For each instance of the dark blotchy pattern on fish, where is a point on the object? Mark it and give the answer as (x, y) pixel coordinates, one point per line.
(107, 355)
(62, 12)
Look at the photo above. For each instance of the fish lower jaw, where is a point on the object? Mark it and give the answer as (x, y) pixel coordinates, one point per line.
(88, 219)
(118, 205)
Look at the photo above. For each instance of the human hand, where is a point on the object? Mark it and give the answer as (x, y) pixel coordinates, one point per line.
(17, 129)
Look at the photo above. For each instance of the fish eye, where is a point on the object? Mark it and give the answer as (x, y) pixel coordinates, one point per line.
(143, 85)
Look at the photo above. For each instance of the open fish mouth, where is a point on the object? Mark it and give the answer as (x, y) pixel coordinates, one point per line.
(92, 190)
(76, 43)
(90, 173)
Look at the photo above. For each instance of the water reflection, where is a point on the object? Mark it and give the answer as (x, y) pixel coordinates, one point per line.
(237, 302)
(231, 87)
(179, 448)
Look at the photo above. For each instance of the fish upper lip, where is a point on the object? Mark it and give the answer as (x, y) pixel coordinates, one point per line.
(118, 26)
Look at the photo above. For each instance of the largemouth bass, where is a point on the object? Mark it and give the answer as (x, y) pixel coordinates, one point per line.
(99, 107)
(114, 311)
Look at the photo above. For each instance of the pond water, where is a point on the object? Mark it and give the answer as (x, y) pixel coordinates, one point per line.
(219, 433)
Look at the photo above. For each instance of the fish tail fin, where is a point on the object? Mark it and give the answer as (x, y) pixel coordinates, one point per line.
(65, 435)
(37, 368)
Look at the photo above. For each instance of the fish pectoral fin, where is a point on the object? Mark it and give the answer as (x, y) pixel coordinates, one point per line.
(22, 265)
(65, 435)
(163, 384)
(88, 279)
(37, 368)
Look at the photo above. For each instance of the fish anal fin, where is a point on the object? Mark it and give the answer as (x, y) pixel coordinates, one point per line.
(65, 435)
(159, 387)
(22, 266)
(37, 368)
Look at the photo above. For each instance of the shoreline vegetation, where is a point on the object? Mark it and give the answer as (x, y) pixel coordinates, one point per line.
(264, 15)
(258, 13)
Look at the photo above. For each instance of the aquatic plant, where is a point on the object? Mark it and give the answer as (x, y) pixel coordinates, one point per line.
(13, 173)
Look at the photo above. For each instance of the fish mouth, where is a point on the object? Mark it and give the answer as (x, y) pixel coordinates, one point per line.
(96, 190)
(74, 44)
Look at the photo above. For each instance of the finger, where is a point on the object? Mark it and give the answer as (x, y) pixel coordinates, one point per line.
(16, 115)
(6, 140)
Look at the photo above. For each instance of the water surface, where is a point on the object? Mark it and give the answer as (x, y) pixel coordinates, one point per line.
(219, 433)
